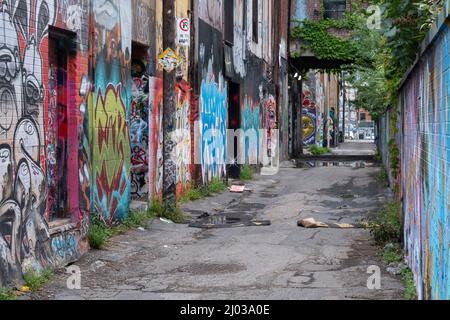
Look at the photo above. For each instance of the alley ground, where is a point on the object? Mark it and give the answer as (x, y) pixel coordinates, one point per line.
(280, 261)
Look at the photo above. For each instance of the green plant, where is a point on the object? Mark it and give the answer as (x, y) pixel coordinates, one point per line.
(410, 287)
(99, 233)
(216, 186)
(316, 36)
(386, 227)
(156, 208)
(138, 219)
(36, 280)
(173, 214)
(192, 194)
(7, 294)
(246, 173)
(392, 254)
(383, 177)
(318, 151)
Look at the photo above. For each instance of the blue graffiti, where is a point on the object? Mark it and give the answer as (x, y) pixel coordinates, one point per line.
(213, 117)
(251, 123)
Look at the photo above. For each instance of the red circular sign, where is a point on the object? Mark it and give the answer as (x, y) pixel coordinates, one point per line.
(184, 24)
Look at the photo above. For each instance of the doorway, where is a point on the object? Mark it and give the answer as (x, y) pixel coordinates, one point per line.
(139, 122)
(234, 123)
(61, 54)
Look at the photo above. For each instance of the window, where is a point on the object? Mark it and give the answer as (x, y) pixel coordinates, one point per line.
(334, 9)
(363, 117)
(229, 21)
(255, 22)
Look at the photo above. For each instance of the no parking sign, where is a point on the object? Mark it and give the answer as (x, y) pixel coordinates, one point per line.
(183, 31)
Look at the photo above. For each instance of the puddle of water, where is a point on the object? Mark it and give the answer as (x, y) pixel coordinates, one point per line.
(227, 221)
(343, 164)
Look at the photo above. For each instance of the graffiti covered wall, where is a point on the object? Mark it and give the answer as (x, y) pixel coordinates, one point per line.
(111, 151)
(313, 108)
(29, 232)
(212, 103)
(425, 157)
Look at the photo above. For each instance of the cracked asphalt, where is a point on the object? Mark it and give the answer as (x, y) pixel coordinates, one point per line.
(281, 261)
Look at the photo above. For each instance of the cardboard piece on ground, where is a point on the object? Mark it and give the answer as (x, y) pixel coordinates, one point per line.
(237, 189)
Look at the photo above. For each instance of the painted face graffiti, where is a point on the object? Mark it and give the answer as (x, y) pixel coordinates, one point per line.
(23, 230)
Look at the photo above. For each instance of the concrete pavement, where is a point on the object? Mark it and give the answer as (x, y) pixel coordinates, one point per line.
(281, 261)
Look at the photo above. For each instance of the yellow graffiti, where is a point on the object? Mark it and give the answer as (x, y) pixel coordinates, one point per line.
(308, 126)
(111, 140)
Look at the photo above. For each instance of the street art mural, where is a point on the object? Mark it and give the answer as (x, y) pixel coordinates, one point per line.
(23, 193)
(29, 117)
(213, 123)
(182, 137)
(309, 117)
(156, 136)
(270, 108)
(139, 131)
(57, 142)
(425, 169)
(239, 39)
(251, 123)
(111, 150)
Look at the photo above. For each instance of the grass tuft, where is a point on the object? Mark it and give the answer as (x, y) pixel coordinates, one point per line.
(392, 254)
(7, 294)
(246, 173)
(387, 227)
(100, 232)
(383, 177)
(318, 151)
(410, 287)
(216, 186)
(174, 214)
(36, 280)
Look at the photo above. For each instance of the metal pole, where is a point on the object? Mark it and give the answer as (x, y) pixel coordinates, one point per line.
(344, 105)
(169, 188)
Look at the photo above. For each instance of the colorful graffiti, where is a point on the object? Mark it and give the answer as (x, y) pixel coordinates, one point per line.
(425, 170)
(250, 124)
(270, 108)
(24, 231)
(183, 136)
(309, 118)
(111, 160)
(111, 149)
(139, 131)
(156, 160)
(213, 121)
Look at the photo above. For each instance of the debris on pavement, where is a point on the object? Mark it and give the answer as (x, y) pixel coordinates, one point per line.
(25, 289)
(141, 229)
(396, 269)
(204, 215)
(237, 189)
(97, 265)
(310, 223)
(165, 220)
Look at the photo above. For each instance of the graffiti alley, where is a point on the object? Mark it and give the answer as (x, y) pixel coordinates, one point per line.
(224, 149)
